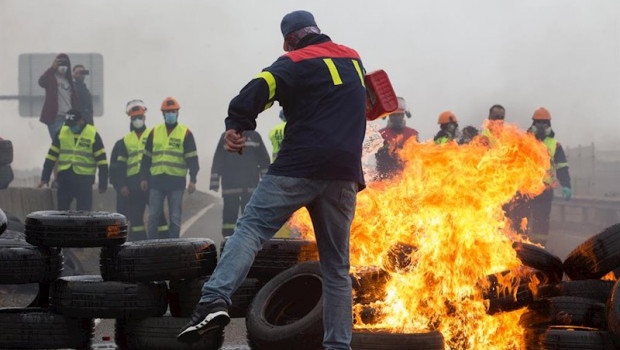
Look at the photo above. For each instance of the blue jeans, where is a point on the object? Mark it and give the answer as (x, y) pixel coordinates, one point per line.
(156, 212)
(331, 205)
(55, 126)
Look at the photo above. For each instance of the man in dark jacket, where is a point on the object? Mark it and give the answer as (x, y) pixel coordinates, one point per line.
(85, 99)
(79, 151)
(60, 94)
(320, 86)
(239, 175)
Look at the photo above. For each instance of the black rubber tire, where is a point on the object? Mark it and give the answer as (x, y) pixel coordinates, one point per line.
(159, 333)
(14, 223)
(540, 259)
(502, 300)
(565, 311)
(613, 311)
(158, 260)
(36, 328)
(91, 296)
(6, 152)
(574, 338)
(24, 263)
(287, 313)
(369, 284)
(4, 222)
(6, 176)
(598, 290)
(595, 257)
(75, 229)
(185, 294)
(278, 254)
(383, 340)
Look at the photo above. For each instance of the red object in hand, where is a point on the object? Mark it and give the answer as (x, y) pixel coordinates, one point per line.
(380, 96)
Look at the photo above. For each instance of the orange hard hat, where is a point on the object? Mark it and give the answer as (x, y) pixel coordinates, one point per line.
(446, 117)
(135, 107)
(541, 114)
(170, 104)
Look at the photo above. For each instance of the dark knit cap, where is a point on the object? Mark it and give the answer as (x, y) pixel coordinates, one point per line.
(72, 116)
(295, 21)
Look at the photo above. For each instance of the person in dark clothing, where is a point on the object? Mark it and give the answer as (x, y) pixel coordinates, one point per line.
(169, 153)
(239, 175)
(60, 94)
(320, 86)
(85, 100)
(540, 206)
(125, 164)
(468, 134)
(79, 151)
(394, 135)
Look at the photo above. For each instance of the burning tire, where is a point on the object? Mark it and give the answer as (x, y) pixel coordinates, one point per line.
(565, 311)
(22, 263)
(383, 340)
(287, 313)
(185, 294)
(158, 260)
(160, 333)
(595, 257)
(368, 284)
(540, 259)
(91, 296)
(75, 229)
(613, 311)
(516, 296)
(279, 254)
(568, 338)
(35, 328)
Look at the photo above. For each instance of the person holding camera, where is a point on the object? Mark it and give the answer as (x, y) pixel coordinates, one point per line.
(60, 94)
(85, 99)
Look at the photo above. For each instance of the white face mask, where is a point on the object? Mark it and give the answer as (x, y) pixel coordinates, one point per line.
(62, 70)
(137, 123)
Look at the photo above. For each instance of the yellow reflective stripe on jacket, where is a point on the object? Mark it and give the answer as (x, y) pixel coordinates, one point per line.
(552, 146)
(359, 71)
(168, 151)
(77, 150)
(54, 149)
(333, 71)
(271, 82)
(191, 154)
(135, 150)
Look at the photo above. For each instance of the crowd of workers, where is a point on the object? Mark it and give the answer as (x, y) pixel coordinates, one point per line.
(316, 165)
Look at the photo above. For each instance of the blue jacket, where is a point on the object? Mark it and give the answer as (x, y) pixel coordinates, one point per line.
(320, 86)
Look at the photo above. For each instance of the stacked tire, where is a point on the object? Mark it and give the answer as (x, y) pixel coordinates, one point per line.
(6, 158)
(583, 312)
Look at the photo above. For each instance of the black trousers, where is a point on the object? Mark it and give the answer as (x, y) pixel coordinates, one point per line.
(133, 207)
(82, 191)
(537, 210)
(233, 203)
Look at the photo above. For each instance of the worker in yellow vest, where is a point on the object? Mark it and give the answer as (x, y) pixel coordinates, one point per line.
(448, 128)
(540, 206)
(125, 165)
(170, 152)
(494, 125)
(79, 151)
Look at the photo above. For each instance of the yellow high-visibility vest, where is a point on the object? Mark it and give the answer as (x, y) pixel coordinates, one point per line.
(276, 135)
(77, 150)
(168, 157)
(135, 150)
(552, 145)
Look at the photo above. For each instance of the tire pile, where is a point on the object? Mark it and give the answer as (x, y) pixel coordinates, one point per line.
(132, 286)
(6, 158)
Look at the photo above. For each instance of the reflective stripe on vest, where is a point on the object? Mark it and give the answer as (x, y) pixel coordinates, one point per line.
(552, 146)
(135, 150)
(168, 151)
(77, 150)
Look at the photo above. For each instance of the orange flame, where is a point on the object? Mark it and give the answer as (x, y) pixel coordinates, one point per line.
(447, 206)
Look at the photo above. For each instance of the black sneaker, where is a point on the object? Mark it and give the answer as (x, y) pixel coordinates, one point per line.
(206, 317)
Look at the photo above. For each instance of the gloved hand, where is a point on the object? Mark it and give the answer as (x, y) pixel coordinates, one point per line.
(567, 192)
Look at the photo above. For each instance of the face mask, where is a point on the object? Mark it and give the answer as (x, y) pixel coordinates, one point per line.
(170, 117)
(452, 128)
(62, 70)
(137, 123)
(75, 129)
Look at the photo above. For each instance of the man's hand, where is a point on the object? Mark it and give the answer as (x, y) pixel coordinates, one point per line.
(124, 191)
(144, 185)
(567, 193)
(56, 63)
(234, 141)
(191, 187)
(43, 183)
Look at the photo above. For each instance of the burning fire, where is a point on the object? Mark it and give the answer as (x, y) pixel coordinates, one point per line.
(446, 206)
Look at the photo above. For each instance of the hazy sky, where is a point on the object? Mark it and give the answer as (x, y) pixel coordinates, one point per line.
(461, 55)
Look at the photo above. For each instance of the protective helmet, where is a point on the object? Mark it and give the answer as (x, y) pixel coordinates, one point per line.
(541, 114)
(135, 107)
(170, 104)
(446, 117)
